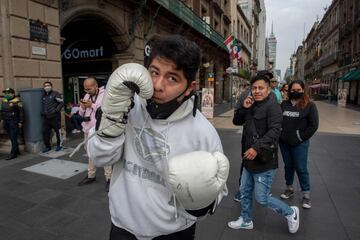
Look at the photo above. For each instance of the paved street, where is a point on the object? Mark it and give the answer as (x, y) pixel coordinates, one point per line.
(36, 207)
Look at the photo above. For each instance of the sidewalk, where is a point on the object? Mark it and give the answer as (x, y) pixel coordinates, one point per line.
(35, 206)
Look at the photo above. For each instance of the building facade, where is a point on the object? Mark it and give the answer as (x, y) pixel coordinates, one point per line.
(261, 37)
(332, 51)
(64, 41)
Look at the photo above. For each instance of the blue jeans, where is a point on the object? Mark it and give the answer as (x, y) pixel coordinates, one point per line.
(260, 183)
(76, 121)
(295, 159)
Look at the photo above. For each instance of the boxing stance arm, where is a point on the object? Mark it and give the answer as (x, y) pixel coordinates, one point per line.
(105, 151)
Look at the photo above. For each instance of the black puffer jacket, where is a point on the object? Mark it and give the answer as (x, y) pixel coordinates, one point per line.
(52, 104)
(268, 119)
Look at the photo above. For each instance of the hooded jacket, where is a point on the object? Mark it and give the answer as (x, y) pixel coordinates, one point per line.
(140, 199)
(267, 117)
(299, 124)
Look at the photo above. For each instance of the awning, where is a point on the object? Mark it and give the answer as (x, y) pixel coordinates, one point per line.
(353, 75)
(320, 85)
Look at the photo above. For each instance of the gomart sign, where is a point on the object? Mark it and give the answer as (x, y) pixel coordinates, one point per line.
(76, 53)
(84, 49)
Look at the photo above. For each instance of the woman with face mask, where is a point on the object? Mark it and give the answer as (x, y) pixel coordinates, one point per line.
(300, 122)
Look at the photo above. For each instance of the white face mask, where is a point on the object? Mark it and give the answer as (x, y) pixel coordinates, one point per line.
(47, 89)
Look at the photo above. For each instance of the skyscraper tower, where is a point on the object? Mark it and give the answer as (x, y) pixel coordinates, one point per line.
(272, 47)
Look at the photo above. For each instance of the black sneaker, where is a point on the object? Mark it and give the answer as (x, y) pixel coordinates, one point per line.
(46, 150)
(306, 203)
(87, 180)
(287, 194)
(11, 156)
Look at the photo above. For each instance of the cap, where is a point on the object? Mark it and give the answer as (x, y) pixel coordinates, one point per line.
(9, 90)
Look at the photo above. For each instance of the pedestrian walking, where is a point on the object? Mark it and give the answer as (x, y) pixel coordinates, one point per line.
(160, 143)
(12, 115)
(238, 106)
(261, 116)
(52, 103)
(88, 107)
(300, 122)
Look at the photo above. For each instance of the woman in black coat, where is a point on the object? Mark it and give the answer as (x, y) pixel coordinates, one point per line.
(300, 122)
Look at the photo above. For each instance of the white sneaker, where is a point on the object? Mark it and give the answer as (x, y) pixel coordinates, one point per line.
(241, 224)
(293, 220)
(74, 131)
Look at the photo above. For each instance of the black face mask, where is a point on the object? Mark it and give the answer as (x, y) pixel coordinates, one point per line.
(164, 110)
(296, 95)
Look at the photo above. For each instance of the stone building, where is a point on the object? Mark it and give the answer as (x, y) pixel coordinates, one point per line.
(64, 41)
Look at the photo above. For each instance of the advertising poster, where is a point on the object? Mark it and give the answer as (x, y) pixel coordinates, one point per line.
(342, 96)
(207, 102)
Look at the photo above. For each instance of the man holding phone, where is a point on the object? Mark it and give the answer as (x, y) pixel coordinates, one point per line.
(261, 116)
(88, 106)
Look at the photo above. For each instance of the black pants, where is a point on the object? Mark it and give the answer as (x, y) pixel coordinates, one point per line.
(52, 123)
(121, 234)
(12, 130)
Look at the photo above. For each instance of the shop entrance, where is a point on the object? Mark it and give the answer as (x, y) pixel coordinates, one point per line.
(87, 51)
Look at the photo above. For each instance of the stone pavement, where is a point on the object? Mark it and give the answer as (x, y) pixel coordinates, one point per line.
(35, 206)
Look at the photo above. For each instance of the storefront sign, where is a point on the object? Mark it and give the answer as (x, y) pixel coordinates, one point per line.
(38, 50)
(342, 96)
(38, 31)
(76, 53)
(207, 102)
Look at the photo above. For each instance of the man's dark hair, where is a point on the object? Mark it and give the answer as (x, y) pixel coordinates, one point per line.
(262, 75)
(266, 73)
(47, 82)
(183, 52)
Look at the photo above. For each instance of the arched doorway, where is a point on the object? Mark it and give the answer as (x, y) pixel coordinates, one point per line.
(87, 50)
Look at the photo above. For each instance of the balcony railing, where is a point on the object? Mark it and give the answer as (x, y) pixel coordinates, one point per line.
(345, 59)
(184, 13)
(325, 61)
(345, 30)
(309, 64)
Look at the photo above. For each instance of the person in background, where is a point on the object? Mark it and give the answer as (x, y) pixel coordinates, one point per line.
(261, 116)
(52, 103)
(12, 115)
(284, 91)
(300, 122)
(274, 88)
(75, 117)
(88, 107)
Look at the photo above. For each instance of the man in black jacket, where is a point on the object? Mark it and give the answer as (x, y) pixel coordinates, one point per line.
(261, 116)
(52, 104)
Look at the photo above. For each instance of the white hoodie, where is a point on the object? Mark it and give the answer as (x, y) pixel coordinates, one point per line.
(140, 199)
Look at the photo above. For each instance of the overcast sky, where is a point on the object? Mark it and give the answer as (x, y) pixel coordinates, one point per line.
(289, 17)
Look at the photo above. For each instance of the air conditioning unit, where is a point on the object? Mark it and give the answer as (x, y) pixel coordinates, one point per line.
(206, 19)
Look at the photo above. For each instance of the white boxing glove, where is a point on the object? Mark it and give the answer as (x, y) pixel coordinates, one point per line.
(198, 177)
(118, 99)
